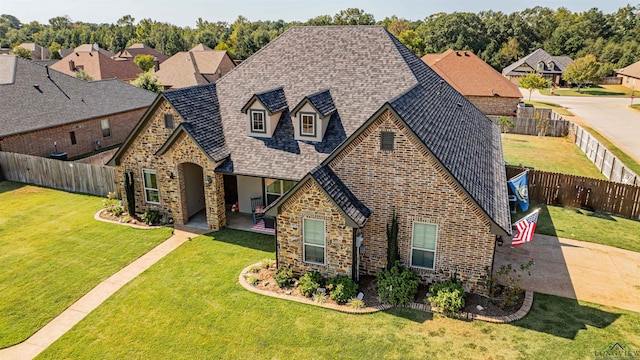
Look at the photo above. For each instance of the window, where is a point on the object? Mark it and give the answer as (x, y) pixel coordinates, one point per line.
(307, 124)
(258, 121)
(275, 188)
(423, 247)
(72, 135)
(168, 121)
(541, 66)
(387, 140)
(106, 127)
(151, 194)
(314, 241)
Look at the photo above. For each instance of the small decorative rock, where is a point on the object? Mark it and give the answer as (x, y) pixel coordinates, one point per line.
(322, 290)
(360, 296)
(288, 292)
(479, 307)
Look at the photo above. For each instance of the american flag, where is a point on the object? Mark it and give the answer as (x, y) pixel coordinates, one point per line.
(526, 228)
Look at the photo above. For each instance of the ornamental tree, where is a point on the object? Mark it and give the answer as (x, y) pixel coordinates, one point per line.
(533, 81)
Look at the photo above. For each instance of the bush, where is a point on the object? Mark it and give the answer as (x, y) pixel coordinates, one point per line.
(320, 297)
(356, 303)
(254, 269)
(150, 217)
(284, 277)
(342, 288)
(310, 282)
(252, 280)
(117, 210)
(448, 296)
(268, 263)
(397, 286)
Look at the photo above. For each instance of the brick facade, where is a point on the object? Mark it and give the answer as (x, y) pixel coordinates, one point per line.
(312, 202)
(411, 182)
(40, 142)
(169, 169)
(495, 105)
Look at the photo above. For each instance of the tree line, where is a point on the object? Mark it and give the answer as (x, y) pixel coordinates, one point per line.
(498, 38)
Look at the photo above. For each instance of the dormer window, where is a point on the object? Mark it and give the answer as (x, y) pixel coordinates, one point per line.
(258, 121)
(551, 65)
(541, 66)
(308, 124)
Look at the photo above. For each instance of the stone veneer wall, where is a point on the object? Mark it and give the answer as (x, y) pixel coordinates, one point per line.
(495, 105)
(141, 155)
(312, 202)
(409, 181)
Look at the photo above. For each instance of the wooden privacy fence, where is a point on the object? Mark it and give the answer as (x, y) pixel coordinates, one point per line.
(605, 161)
(610, 80)
(533, 126)
(63, 175)
(581, 192)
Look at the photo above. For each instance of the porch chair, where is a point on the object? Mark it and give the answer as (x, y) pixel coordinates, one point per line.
(257, 208)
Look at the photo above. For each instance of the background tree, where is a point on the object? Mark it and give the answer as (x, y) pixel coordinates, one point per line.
(533, 81)
(353, 16)
(583, 70)
(147, 81)
(22, 52)
(54, 49)
(82, 75)
(144, 61)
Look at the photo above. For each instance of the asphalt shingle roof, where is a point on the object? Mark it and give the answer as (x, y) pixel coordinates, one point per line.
(59, 99)
(532, 60)
(632, 70)
(274, 100)
(341, 195)
(200, 110)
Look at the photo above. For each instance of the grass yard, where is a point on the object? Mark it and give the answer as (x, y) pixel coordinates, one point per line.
(595, 90)
(635, 106)
(549, 105)
(52, 252)
(190, 306)
(587, 226)
(549, 154)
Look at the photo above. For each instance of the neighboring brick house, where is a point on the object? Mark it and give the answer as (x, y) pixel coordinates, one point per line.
(486, 88)
(540, 62)
(37, 52)
(200, 65)
(98, 64)
(44, 111)
(140, 49)
(348, 137)
(630, 76)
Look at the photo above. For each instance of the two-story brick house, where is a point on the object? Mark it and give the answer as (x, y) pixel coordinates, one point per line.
(349, 126)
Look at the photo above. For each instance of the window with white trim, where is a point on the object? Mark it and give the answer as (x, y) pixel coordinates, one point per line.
(258, 122)
(106, 127)
(150, 179)
(423, 245)
(308, 124)
(314, 241)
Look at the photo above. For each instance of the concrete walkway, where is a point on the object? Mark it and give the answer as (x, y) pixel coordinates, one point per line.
(51, 332)
(576, 269)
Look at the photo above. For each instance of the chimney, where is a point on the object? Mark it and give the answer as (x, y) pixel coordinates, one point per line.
(156, 64)
(72, 65)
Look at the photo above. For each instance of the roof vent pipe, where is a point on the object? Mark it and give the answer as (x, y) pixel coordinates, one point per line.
(46, 67)
(156, 64)
(72, 65)
(440, 87)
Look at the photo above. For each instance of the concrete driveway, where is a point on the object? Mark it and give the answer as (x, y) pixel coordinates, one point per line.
(610, 116)
(578, 270)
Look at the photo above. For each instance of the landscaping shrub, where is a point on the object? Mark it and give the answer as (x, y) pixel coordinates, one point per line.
(268, 263)
(252, 280)
(151, 217)
(284, 277)
(397, 286)
(320, 297)
(356, 303)
(447, 296)
(117, 210)
(310, 282)
(342, 288)
(254, 269)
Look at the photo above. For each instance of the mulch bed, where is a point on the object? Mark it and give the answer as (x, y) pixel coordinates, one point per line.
(368, 288)
(122, 218)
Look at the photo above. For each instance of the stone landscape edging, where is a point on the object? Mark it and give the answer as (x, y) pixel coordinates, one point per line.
(521, 313)
(145, 227)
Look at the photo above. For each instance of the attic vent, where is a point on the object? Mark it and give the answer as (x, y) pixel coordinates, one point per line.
(387, 140)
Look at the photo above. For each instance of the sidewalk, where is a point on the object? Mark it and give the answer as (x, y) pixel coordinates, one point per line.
(51, 332)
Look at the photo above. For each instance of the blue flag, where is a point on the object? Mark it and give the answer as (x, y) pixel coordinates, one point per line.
(520, 188)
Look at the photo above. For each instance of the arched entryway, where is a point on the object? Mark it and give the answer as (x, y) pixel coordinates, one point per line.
(193, 201)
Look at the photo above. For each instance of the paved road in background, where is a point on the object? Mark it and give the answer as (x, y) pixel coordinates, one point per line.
(611, 117)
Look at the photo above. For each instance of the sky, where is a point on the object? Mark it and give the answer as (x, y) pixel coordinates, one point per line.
(186, 12)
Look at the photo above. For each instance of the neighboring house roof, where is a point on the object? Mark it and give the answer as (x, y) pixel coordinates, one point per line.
(93, 47)
(532, 60)
(470, 75)
(200, 65)
(31, 100)
(98, 65)
(140, 48)
(381, 74)
(37, 52)
(632, 70)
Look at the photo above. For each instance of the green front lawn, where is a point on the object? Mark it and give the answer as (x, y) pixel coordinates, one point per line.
(190, 306)
(52, 252)
(587, 226)
(595, 90)
(548, 154)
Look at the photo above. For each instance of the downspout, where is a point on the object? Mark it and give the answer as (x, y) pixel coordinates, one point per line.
(275, 224)
(354, 254)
